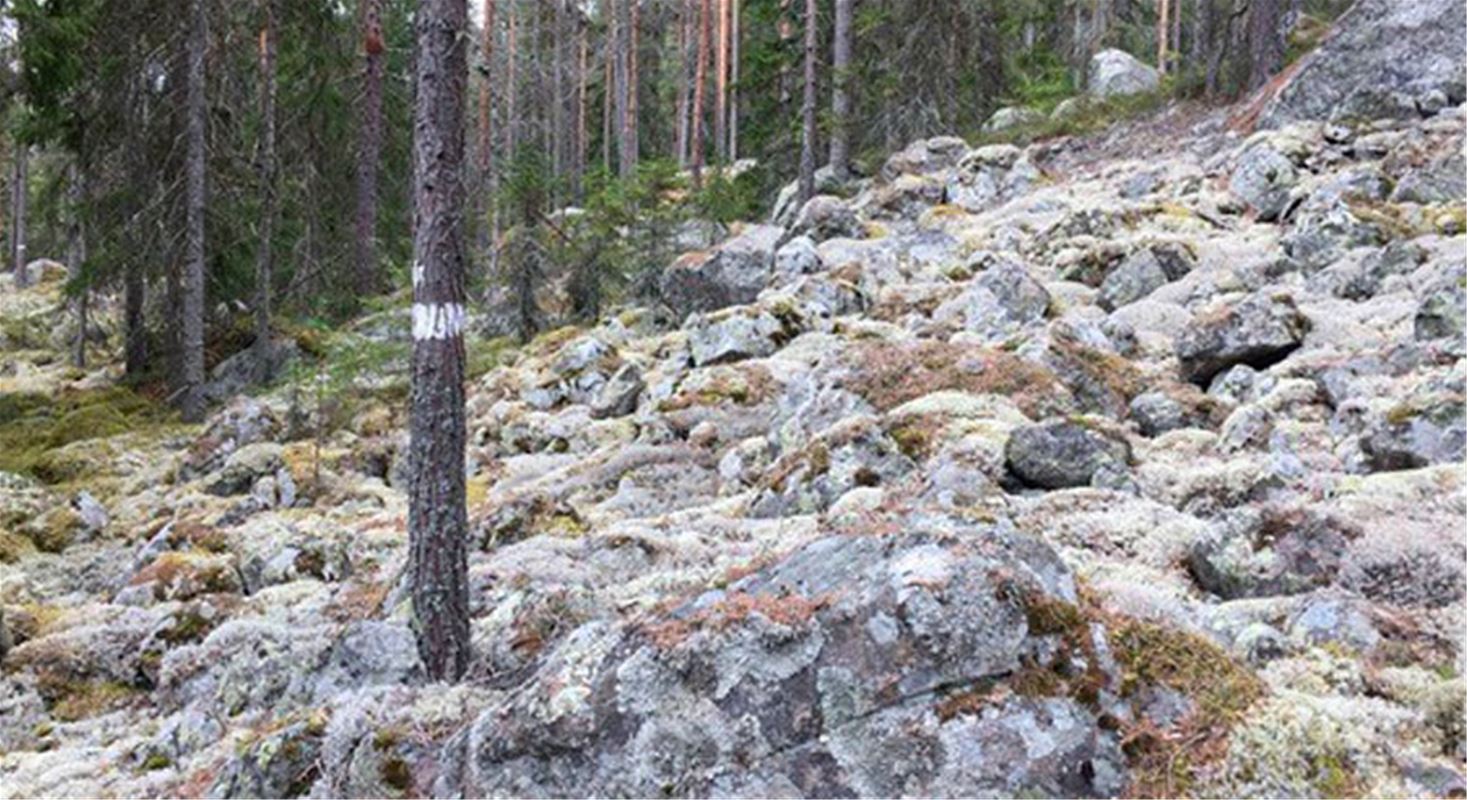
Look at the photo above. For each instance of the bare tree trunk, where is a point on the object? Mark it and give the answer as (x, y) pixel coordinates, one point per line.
(264, 362)
(512, 90)
(369, 148)
(700, 81)
(437, 517)
(558, 136)
(608, 94)
(685, 16)
(578, 175)
(634, 84)
(840, 99)
(1162, 31)
(1265, 41)
(76, 256)
(192, 398)
(18, 202)
(720, 83)
(807, 140)
(733, 100)
(489, 187)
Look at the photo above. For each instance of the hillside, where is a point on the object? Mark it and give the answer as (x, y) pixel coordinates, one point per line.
(1120, 464)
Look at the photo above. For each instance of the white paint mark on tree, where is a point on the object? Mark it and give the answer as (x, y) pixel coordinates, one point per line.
(437, 320)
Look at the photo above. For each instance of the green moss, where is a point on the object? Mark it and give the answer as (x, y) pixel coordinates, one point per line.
(33, 427)
(157, 761)
(397, 774)
(14, 547)
(78, 700)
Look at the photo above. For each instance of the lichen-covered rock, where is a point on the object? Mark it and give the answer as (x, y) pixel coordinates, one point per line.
(838, 670)
(826, 217)
(1116, 73)
(1058, 455)
(1278, 551)
(1257, 331)
(989, 175)
(1264, 178)
(733, 273)
(1384, 59)
(1012, 117)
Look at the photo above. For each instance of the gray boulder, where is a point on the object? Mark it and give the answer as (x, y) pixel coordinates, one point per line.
(1258, 331)
(1010, 117)
(732, 274)
(826, 217)
(1385, 58)
(618, 396)
(1061, 455)
(988, 176)
(1264, 179)
(1137, 276)
(1268, 553)
(1116, 73)
(1424, 429)
(839, 671)
(735, 335)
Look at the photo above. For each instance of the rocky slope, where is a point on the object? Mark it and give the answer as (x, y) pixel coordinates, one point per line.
(1012, 471)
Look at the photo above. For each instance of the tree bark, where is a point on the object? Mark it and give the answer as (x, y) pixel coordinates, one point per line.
(840, 99)
(191, 400)
(685, 18)
(1162, 31)
(807, 140)
(700, 80)
(634, 84)
(437, 517)
(134, 299)
(76, 256)
(511, 87)
(488, 186)
(369, 153)
(1265, 41)
(264, 361)
(720, 82)
(18, 202)
(733, 99)
(578, 172)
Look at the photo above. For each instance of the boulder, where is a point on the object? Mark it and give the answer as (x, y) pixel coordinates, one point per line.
(1137, 276)
(1257, 331)
(856, 666)
(618, 396)
(1012, 117)
(1060, 455)
(1264, 178)
(1269, 552)
(988, 176)
(1385, 58)
(826, 217)
(1116, 73)
(732, 274)
(737, 334)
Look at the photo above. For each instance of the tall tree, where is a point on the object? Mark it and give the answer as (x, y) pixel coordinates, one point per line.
(369, 146)
(486, 118)
(720, 82)
(1265, 40)
(18, 200)
(807, 140)
(733, 80)
(437, 516)
(76, 256)
(840, 98)
(264, 263)
(192, 287)
(700, 80)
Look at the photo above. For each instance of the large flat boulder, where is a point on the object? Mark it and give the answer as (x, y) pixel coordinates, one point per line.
(1385, 58)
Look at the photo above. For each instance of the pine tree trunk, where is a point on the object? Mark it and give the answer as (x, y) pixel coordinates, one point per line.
(733, 99)
(578, 174)
(840, 99)
(369, 148)
(634, 84)
(1162, 31)
(76, 256)
(512, 86)
(487, 184)
(685, 16)
(264, 365)
(720, 82)
(700, 80)
(437, 518)
(18, 202)
(134, 303)
(1265, 41)
(192, 309)
(807, 140)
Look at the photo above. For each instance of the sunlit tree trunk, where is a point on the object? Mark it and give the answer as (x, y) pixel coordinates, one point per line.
(840, 99)
(700, 80)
